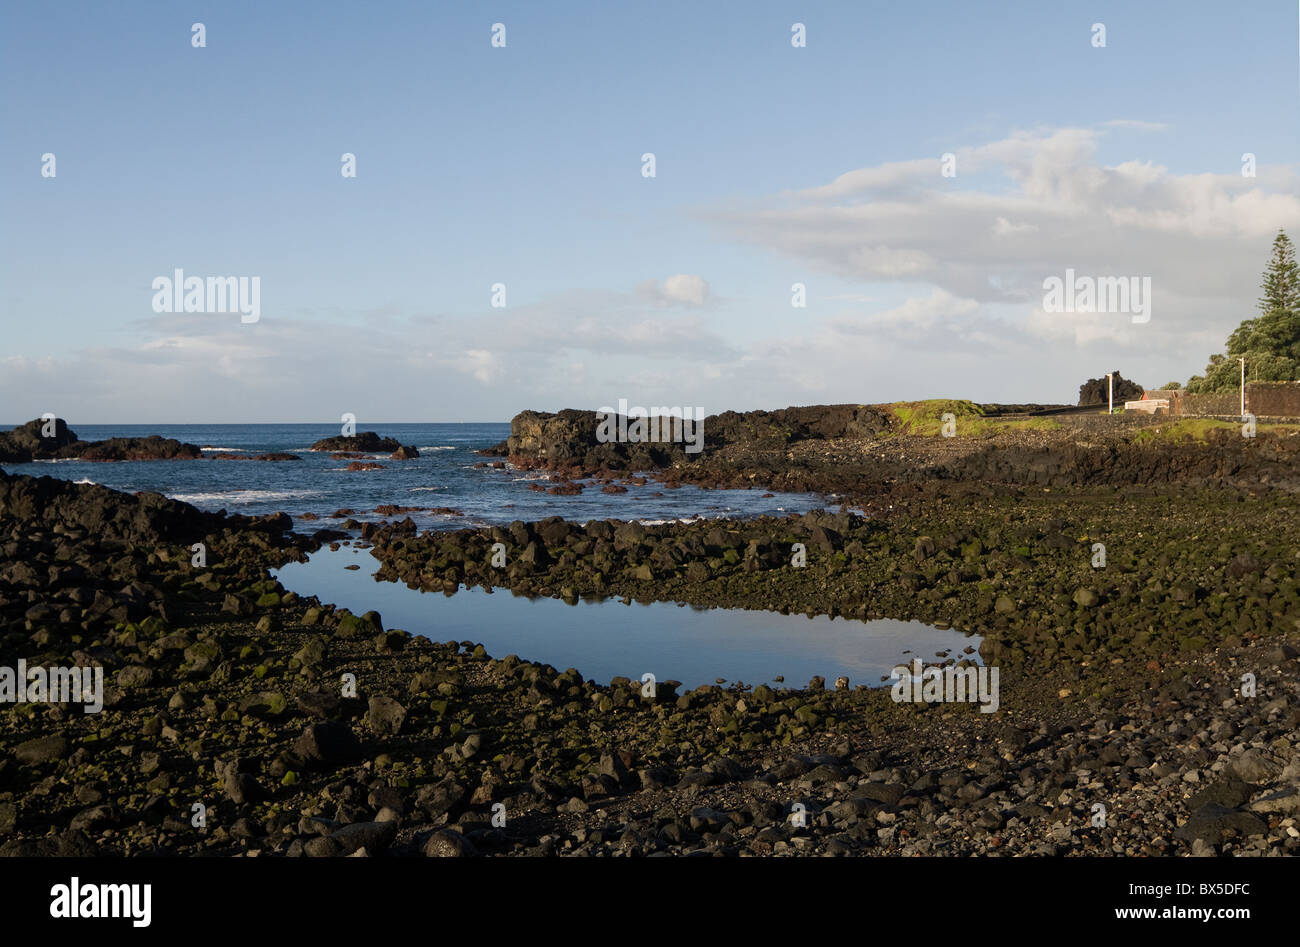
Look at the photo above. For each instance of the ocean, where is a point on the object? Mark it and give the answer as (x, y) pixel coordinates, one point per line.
(445, 475)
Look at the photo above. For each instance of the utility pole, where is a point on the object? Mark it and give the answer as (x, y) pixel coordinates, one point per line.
(1110, 394)
(1243, 386)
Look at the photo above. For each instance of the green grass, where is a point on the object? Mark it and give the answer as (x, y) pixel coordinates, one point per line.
(925, 419)
(1198, 429)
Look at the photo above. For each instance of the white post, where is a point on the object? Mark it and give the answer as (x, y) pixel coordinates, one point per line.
(1110, 393)
(1243, 386)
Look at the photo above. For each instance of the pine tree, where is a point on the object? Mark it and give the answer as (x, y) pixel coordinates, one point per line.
(1270, 343)
(1282, 278)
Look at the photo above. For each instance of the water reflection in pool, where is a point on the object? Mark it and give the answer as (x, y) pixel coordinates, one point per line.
(612, 637)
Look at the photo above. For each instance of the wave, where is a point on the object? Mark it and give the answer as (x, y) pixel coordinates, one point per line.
(243, 496)
(227, 450)
(684, 519)
(84, 480)
(425, 489)
(435, 447)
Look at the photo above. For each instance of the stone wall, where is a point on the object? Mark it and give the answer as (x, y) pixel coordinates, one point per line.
(1220, 404)
(1264, 399)
(1273, 399)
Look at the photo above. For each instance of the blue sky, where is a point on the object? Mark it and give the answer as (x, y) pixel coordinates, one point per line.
(521, 165)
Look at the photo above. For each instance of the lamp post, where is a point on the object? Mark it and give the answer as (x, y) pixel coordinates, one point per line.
(1243, 386)
(1110, 393)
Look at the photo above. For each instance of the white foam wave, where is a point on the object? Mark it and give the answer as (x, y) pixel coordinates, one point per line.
(435, 447)
(243, 496)
(425, 489)
(84, 480)
(226, 450)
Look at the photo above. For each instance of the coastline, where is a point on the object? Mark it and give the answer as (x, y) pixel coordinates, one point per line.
(223, 688)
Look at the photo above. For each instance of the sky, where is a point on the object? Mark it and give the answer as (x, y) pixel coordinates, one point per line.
(522, 165)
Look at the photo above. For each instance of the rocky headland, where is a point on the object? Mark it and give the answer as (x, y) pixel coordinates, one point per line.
(861, 454)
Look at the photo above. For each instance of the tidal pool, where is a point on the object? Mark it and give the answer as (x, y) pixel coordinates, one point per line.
(614, 637)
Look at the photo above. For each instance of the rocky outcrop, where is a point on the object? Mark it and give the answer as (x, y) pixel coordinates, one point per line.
(367, 442)
(24, 444)
(139, 448)
(27, 443)
(51, 503)
(569, 438)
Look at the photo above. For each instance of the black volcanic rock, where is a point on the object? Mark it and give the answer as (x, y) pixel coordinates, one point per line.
(328, 744)
(152, 447)
(569, 437)
(367, 442)
(111, 515)
(25, 444)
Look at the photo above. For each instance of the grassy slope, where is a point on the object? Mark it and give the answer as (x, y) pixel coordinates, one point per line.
(925, 418)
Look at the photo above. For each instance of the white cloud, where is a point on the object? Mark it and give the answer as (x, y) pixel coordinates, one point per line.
(1026, 207)
(1005, 228)
(916, 313)
(883, 177)
(193, 368)
(682, 289)
(482, 364)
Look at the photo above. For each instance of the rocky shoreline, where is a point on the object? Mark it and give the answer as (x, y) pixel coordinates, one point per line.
(861, 455)
(1149, 700)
